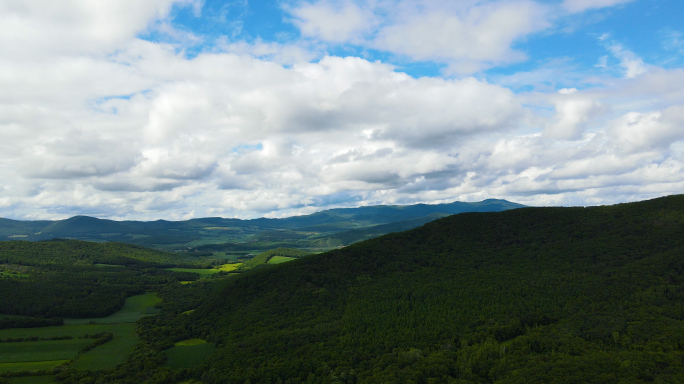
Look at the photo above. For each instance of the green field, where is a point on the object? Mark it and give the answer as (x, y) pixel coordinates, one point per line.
(135, 308)
(111, 353)
(106, 356)
(280, 259)
(202, 272)
(12, 274)
(46, 354)
(43, 350)
(188, 353)
(30, 366)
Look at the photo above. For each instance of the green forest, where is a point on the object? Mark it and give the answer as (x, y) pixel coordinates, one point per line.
(529, 295)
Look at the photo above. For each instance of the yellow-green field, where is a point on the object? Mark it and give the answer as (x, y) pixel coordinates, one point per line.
(189, 342)
(279, 259)
(223, 268)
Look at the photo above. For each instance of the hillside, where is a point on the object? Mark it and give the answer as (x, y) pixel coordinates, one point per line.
(71, 278)
(534, 295)
(215, 234)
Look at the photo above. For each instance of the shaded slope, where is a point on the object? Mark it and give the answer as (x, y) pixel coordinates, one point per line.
(528, 295)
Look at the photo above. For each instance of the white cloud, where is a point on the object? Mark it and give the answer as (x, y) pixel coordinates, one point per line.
(467, 36)
(287, 54)
(96, 121)
(575, 6)
(573, 112)
(335, 21)
(33, 28)
(647, 131)
(632, 64)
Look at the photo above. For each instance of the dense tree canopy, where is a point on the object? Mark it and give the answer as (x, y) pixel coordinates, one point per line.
(533, 295)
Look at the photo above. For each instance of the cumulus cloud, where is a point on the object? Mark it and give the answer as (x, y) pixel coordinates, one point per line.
(112, 125)
(335, 21)
(34, 28)
(467, 36)
(632, 64)
(651, 130)
(573, 112)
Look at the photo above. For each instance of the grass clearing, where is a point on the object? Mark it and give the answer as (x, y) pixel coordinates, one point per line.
(135, 308)
(111, 353)
(46, 354)
(105, 356)
(12, 274)
(43, 350)
(188, 353)
(279, 259)
(190, 342)
(202, 272)
(30, 366)
(230, 267)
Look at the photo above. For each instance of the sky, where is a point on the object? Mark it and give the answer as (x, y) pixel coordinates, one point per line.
(179, 109)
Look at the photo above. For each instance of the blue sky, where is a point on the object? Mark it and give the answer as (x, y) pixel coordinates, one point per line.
(650, 28)
(172, 109)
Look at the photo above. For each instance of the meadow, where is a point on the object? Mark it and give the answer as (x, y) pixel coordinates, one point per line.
(279, 259)
(31, 349)
(135, 308)
(188, 353)
(230, 267)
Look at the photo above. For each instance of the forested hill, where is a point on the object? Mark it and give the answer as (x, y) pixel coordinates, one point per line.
(72, 278)
(76, 252)
(533, 295)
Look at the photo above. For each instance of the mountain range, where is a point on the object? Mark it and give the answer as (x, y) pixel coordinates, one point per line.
(319, 231)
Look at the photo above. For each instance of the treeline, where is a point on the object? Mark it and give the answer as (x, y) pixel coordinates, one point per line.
(68, 252)
(264, 257)
(78, 291)
(78, 279)
(29, 322)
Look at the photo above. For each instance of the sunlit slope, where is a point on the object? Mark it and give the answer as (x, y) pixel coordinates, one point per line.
(528, 295)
